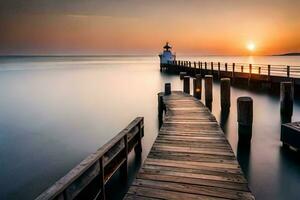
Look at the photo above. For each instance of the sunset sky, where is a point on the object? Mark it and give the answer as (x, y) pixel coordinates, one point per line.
(207, 27)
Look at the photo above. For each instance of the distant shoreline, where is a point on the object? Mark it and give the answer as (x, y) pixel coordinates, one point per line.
(288, 54)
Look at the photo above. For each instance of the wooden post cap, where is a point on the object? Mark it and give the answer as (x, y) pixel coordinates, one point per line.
(198, 76)
(167, 88)
(182, 74)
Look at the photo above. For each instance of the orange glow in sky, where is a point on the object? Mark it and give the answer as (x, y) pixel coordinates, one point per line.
(206, 27)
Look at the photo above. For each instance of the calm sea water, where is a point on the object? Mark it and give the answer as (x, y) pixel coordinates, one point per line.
(54, 111)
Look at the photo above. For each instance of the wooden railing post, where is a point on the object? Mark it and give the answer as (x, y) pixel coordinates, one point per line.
(288, 71)
(219, 70)
(124, 167)
(226, 67)
(201, 69)
(242, 68)
(259, 70)
(205, 66)
(138, 148)
(195, 65)
(233, 69)
(269, 71)
(250, 72)
(212, 68)
(102, 181)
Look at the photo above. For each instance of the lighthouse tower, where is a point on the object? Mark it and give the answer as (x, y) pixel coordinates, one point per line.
(166, 56)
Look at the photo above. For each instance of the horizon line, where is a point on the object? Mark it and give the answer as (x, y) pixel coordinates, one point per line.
(133, 55)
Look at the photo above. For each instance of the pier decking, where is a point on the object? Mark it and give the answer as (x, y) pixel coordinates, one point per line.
(190, 159)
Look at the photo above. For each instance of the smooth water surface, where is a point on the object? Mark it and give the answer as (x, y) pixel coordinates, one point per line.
(54, 111)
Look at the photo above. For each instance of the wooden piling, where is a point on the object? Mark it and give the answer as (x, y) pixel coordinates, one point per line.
(197, 82)
(286, 100)
(167, 88)
(269, 71)
(186, 84)
(219, 70)
(182, 74)
(233, 71)
(208, 89)
(245, 118)
(225, 93)
(160, 109)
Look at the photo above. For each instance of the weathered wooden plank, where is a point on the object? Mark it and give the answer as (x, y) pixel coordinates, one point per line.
(194, 189)
(166, 194)
(190, 165)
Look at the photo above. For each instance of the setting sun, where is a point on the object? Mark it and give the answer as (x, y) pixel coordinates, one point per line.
(251, 46)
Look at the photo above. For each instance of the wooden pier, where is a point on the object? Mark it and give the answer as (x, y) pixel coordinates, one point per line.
(237, 71)
(191, 158)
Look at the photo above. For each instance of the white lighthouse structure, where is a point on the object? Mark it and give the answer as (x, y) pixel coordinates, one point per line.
(166, 56)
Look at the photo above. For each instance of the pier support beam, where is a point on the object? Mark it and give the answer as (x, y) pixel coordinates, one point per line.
(197, 82)
(225, 94)
(208, 90)
(286, 101)
(186, 84)
(245, 118)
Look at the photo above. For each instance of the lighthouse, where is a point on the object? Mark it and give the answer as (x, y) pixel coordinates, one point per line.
(166, 56)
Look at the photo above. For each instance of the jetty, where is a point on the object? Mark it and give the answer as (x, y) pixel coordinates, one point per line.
(191, 157)
(263, 73)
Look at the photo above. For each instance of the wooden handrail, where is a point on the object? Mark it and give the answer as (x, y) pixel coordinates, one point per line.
(104, 163)
(260, 69)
